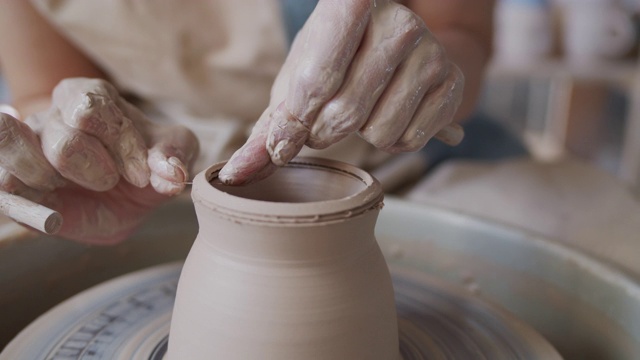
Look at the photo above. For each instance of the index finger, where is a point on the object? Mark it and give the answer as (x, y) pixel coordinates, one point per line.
(326, 46)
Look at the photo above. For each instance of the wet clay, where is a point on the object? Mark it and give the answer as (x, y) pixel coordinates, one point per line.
(286, 268)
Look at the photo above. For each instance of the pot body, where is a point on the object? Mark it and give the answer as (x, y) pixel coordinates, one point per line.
(286, 285)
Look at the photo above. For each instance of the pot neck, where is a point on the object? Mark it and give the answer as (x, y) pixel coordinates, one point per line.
(307, 190)
(311, 209)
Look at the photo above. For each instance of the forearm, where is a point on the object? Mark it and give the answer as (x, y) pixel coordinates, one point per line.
(35, 57)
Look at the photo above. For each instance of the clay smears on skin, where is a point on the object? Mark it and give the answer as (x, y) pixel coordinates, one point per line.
(91, 106)
(283, 151)
(287, 135)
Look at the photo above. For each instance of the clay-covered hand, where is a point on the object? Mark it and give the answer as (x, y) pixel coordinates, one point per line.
(367, 66)
(95, 158)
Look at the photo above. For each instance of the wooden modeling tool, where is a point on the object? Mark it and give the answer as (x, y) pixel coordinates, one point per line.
(29, 213)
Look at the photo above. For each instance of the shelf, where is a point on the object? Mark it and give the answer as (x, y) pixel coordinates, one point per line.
(622, 73)
(564, 77)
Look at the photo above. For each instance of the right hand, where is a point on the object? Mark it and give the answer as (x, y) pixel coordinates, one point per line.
(357, 66)
(96, 159)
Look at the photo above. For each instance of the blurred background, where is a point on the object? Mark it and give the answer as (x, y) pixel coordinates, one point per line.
(565, 78)
(4, 92)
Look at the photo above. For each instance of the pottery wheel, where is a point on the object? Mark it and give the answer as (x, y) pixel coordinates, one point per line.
(129, 317)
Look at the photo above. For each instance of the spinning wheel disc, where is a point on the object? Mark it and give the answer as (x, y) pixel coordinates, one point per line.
(129, 318)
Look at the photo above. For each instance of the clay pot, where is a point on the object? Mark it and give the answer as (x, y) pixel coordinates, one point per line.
(287, 268)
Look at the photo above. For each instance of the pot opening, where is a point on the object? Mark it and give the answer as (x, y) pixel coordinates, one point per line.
(299, 183)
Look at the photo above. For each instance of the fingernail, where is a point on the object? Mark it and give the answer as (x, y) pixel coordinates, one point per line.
(227, 174)
(177, 168)
(283, 152)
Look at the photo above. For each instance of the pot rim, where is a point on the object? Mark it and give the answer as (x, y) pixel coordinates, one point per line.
(368, 197)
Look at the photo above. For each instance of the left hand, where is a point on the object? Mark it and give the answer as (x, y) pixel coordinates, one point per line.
(96, 159)
(367, 66)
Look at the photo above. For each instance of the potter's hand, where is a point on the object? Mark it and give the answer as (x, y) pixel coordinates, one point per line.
(369, 66)
(95, 158)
